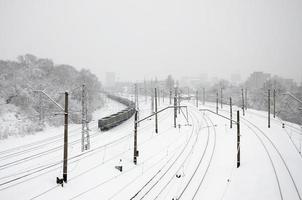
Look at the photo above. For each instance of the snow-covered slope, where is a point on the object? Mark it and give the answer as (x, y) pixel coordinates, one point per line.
(192, 161)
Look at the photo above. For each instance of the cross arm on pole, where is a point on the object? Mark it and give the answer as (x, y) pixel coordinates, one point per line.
(159, 112)
(51, 99)
(218, 115)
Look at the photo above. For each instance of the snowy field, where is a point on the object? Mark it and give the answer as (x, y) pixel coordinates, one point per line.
(196, 160)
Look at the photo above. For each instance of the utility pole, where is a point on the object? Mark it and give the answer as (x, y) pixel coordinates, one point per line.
(231, 113)
(156, 125)
(274, 103)
(197, 98)
(242, 102)
(65, 148)
(65, 158)
(269, 109)
(85, 129)
(135, 153)
(221, 97)
(238, 139)
(217, 102)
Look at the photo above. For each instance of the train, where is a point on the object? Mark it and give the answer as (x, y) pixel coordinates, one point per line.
(113, 120)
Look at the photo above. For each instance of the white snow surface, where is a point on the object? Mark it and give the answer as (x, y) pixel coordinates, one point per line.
(195, 160)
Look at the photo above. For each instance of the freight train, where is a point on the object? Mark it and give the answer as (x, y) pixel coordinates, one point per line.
(113, 120)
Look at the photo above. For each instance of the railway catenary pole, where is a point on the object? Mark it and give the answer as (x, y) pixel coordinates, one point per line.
(274, 103)
(197, 98)
(135, 153)
(269, 109)
(65, 158)
(242, 96)
(231, 113)
(238, 139)
(221, 97)
(217, 102)
(156, 125)
(85, 129)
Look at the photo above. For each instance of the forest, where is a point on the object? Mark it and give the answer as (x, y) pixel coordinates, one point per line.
(25, 110)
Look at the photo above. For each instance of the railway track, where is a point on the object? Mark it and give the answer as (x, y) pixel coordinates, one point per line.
(271, 148)
(187, 163)
(53, 165)
(270, 157)
(155, 178)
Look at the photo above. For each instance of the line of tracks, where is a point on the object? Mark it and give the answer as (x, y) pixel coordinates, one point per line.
(271, 148)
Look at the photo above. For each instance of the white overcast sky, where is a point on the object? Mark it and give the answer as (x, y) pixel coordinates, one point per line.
(147, 38)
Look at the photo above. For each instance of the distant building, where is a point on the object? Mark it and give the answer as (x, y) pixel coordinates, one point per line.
(110, 79)
(257, 79)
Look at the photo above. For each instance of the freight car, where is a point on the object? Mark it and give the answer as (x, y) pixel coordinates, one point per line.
(113, 120)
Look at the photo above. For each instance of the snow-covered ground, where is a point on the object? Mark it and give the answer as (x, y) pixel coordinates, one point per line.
(193, 161)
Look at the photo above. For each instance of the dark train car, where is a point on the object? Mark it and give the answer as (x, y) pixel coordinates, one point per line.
(113, 120)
